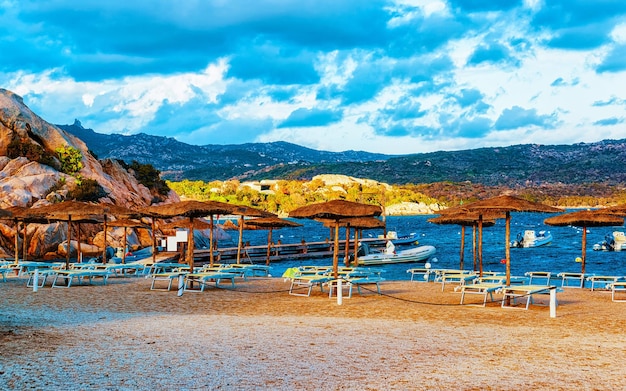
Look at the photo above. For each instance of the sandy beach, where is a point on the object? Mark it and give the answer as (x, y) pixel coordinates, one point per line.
(413, 337)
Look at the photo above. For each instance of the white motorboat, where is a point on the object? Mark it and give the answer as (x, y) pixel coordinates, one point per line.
(532, 238)
(613, 242)
(367, 257)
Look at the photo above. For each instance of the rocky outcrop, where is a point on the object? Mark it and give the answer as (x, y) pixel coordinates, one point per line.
(33, 178)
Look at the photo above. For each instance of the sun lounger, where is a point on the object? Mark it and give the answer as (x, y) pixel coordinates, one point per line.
(605, 280)
(203, 279)
(356, 278)
(566, 277)
(169, 277)
(484, 289)
(617, 287)
(544, 277)
(455, 278)
(4, 271)
(67, 276)
(513, 292)
(308, 281)
(421, 275)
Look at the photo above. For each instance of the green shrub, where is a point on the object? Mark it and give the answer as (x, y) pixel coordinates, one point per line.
(87, 190)
(71, 159)
(150, 177)
(32, 151)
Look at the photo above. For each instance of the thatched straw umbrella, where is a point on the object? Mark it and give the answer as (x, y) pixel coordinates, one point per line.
(336, 210)
(507, 204)
(585, 219)
(125, 223)
(191, 209)
(467, 219)
(271, 223)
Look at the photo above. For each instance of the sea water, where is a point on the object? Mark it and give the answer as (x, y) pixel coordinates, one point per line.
(558, 256)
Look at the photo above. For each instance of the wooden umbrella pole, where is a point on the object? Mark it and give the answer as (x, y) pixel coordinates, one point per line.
(336, 252)
(357, 235)
(78, 252)
(190, 245)
(154, 247)
(240, 239)
(69, 241)
(462, 247)
(269, 246)
(346, 259)
(24, 247)
(17, 243)
(584, 250)
(507, 247)
(480, 245)
(104, 249)
(211, 257)
(124, 246)
(474, 245)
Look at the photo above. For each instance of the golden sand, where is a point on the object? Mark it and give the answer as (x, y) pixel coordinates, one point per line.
(413, 337)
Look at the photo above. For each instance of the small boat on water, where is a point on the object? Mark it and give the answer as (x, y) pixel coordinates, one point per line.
(392, 236)
(612, 242)
(532, 238)
(367, 257)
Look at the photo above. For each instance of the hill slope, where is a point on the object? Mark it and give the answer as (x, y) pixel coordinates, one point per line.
(518, 165)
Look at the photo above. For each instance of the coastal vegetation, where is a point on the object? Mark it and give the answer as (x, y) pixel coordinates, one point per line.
(286, 195)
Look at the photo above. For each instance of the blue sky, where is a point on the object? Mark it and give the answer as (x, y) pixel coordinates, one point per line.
(397, 77)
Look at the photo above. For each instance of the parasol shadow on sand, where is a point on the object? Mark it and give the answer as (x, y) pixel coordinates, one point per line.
(467, 219)
(507, 204)
(585, 219)
(336, 210)
(191, 209)
(270, 223)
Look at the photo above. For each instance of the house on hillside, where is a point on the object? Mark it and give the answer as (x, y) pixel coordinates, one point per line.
(266, 186)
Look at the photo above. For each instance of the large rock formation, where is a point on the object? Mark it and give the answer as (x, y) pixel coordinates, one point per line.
(34, 177)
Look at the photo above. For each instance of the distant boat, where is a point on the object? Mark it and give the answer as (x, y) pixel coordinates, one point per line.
(367, 257)
(613, 242)
(392, 236)
(532, 238)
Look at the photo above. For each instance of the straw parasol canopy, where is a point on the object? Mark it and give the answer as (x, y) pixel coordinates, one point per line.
(507, 204)
(191, 209)
(270, 223)
(468, 219)
(585, 219)
(336, 210)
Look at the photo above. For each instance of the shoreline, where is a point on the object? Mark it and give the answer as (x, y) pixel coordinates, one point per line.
(124, 336)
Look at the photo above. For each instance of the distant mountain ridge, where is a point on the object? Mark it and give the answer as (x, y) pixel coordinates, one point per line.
(519, 165)
(177, 160)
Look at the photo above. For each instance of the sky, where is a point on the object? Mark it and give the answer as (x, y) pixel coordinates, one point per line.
(393, 76)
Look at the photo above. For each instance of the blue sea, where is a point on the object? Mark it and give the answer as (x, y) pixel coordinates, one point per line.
(559, 256)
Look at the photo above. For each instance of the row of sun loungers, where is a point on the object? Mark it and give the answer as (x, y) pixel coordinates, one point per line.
(305, 279)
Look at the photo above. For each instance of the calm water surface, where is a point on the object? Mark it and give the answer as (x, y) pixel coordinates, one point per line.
(559, 256)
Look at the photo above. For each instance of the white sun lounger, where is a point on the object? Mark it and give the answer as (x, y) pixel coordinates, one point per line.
(79, 275)
(513, 292)
(203, 280)
(484, 289)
